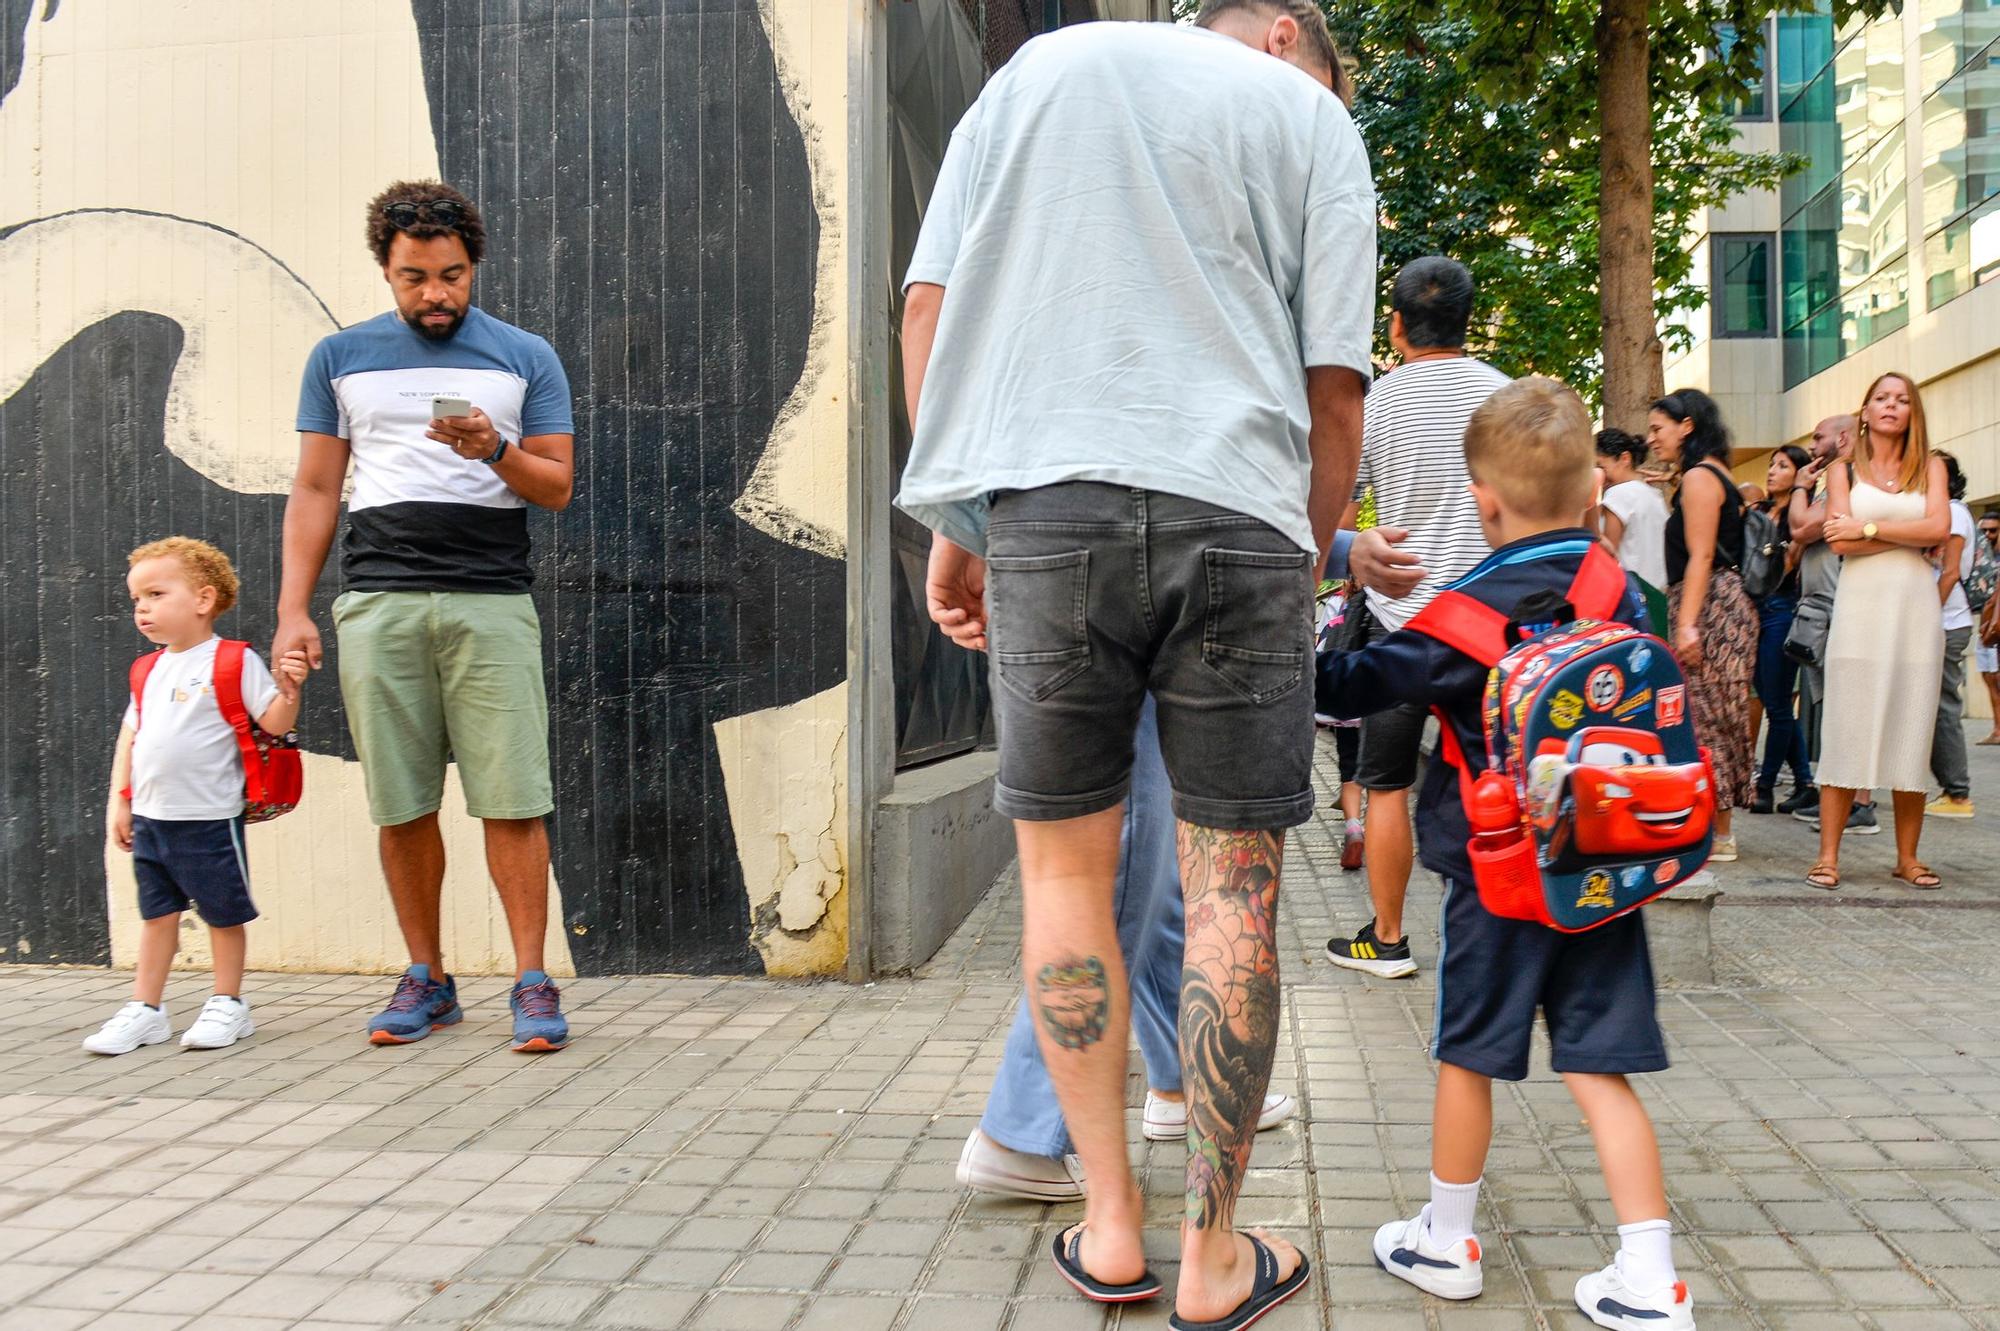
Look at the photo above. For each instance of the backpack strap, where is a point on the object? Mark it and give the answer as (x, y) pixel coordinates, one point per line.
(1464, 624)
(1599, 586)
(142, 670)
(228, 682)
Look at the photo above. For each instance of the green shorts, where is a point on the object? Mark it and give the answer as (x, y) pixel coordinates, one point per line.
(434, 677)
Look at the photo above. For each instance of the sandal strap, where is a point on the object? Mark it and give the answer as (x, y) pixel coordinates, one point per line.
(1266, 1278)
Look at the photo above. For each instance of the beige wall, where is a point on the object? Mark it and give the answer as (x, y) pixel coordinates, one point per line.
(208, 160)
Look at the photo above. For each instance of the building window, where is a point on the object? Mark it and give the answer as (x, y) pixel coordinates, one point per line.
(1740, 302)
(1961, 177)
(1755, 102)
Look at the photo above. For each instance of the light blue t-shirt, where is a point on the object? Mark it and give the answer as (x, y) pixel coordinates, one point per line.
(1146, 232)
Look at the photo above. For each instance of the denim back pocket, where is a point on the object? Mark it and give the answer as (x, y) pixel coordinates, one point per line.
(1259, 620)
(1038, 629)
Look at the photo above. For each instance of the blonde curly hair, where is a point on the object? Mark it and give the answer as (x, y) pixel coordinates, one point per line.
(204, 565)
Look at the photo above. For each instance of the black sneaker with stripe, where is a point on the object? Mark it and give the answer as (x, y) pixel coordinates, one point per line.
(1366, 953)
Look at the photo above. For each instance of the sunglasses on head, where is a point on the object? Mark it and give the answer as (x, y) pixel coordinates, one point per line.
(443, 212)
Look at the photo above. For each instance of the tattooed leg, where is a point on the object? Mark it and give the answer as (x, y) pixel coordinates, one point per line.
(1229, 1035)
(1076, 992)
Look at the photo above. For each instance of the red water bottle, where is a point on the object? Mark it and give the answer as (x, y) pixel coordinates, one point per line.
(1494, 813)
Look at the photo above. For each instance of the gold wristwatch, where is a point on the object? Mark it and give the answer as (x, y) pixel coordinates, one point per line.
(1868, 530)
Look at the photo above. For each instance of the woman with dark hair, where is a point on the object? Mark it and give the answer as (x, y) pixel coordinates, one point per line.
(1633, 516)
(1777, 673)
(1885, 649)
(1954, 565)
(1714, 623)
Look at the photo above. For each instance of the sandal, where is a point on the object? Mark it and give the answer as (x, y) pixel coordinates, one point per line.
(1918, 875)
(1266, 1292)
(1824, 876)
(1990, 739)
(1069, 1261)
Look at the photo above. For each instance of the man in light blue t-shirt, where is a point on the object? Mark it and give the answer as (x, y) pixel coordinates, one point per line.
(1138, 329)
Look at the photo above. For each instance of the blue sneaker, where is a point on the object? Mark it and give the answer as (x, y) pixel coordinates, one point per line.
(420, 1004)
(539, 1025)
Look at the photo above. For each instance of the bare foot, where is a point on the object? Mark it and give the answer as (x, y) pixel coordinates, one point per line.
(1211, 1294)
(1109, 1256)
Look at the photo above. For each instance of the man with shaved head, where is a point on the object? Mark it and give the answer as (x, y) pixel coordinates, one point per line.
(1819, 572)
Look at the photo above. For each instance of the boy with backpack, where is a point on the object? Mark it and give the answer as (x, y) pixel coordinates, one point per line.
(1604, 705)
(191, 769)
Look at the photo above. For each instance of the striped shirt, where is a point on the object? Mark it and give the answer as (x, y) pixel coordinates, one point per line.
(1413, 458)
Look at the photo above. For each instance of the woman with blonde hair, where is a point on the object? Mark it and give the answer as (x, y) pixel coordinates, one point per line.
(1885, 650)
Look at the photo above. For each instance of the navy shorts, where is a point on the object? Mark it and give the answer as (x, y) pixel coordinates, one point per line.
(1595, 990)
(180, 862)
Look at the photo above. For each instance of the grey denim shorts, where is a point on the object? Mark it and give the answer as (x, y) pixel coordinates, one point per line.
(1098, 594)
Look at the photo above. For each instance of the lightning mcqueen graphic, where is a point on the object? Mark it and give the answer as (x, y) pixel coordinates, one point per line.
(1610, 794)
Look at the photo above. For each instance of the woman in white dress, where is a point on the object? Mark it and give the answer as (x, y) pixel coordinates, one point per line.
(1885, 650)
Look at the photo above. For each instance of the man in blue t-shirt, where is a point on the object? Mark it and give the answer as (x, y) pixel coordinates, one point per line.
(440, 646)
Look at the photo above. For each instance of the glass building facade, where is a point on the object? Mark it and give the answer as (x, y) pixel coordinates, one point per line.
(1850, 239)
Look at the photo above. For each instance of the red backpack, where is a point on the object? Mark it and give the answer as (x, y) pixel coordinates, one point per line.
(273, 775)
(1597, 795)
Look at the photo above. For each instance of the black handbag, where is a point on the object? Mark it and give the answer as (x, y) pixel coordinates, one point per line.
(1763, 563)
(1805, 643)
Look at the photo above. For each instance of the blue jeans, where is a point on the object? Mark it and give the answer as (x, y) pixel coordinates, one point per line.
(1776, 680)
(1021, 1111)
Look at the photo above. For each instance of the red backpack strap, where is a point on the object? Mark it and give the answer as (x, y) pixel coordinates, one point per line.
(228, 682)
(1464, 625)
(1599, 587)
(142, 670)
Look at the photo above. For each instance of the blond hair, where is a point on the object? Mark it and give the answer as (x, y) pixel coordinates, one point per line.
(1916, 440)
(1313, 32)
(204, 565)
(1531, 444)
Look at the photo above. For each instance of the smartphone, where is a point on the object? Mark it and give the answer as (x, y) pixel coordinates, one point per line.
(443, 407)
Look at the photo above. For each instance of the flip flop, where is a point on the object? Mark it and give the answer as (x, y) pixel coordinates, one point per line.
(1916, 876)
(1266, 1292)
(1990, 739)
(1069, 1261)
(1823, 870)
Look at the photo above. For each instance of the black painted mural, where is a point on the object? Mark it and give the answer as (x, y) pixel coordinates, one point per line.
(648, 199)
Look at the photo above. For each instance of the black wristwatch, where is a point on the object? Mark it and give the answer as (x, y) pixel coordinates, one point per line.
(498, 453)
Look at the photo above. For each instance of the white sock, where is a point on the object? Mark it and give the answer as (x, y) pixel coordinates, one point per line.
(1453, 1206)
(1353, 829)
(1646, 1255)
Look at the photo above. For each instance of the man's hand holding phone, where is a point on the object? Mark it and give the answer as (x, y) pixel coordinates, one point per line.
(463, 427)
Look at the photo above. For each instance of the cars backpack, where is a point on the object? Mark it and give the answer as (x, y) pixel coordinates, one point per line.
(1596, 796)
(273, 775)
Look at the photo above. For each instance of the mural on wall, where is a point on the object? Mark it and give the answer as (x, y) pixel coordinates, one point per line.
(651, 211)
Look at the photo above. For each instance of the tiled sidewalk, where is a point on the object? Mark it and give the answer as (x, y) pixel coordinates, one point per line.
(748, 1154)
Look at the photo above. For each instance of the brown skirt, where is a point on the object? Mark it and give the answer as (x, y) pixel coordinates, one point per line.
(1720, 687)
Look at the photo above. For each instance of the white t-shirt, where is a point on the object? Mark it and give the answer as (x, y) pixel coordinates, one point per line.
(186, 765)
(1642, 548)
(1413, 458)
(1958, 610)
(1145, 233)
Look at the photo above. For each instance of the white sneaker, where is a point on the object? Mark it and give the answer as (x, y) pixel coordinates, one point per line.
(987, 1166)
(1723, 851)
(1608, 1301)
(133, 1025)
(223, 1021)
(1166, 1120)
(1404, 1249)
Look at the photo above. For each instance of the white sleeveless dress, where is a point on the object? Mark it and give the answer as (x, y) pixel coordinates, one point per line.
(1884, 660)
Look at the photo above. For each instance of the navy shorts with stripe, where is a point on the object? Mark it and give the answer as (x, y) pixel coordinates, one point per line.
(1595, 990)
(181, 862)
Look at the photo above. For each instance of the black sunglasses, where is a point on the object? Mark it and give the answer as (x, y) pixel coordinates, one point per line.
(443, 212)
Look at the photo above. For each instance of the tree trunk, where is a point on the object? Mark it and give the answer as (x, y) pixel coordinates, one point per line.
(1632, 352)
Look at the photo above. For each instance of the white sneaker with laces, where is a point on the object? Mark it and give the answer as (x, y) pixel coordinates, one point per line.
(223, 1021)
(133, 1025)
(987, 1166)
(1608, 1301)
(1404, 1249)
(1166, 1120)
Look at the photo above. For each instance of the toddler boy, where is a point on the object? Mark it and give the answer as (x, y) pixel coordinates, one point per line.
(1529, 453)
(177, 791)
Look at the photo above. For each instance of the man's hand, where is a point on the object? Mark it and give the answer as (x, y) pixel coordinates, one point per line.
(955, 590)
(291, 672)
(472, 437)
(1375, 563)
(297, 636)
(121, 823)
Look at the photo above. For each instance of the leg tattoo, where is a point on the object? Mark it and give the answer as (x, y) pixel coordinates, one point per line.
(1073, 996)
(1229, 1008)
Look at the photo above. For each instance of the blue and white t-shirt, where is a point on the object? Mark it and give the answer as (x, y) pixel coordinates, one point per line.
(422, 518)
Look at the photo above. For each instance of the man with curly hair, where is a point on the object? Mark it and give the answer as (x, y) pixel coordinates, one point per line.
(454, 422)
